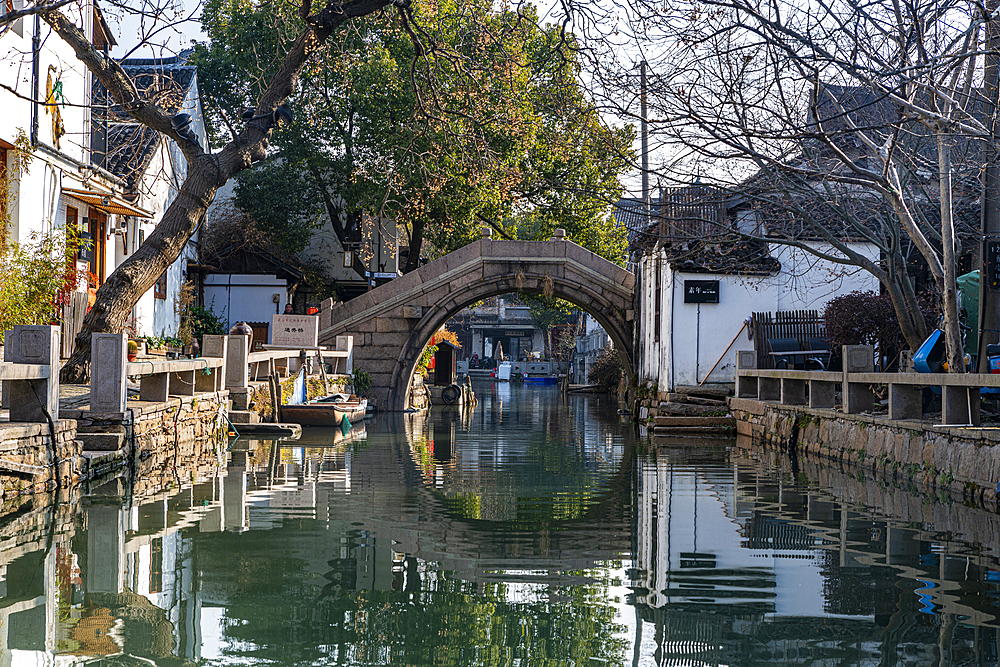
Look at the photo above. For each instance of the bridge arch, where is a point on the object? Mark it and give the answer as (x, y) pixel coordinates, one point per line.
(392, 323)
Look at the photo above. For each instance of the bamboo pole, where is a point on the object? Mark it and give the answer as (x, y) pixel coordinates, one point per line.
(723, 354)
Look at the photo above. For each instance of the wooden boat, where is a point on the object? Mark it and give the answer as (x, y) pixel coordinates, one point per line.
(325, 411)
(330, 410)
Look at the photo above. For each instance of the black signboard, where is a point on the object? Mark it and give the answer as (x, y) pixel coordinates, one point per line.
(701, 291)
(86, 251)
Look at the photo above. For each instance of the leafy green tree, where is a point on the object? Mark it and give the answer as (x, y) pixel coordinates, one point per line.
(496, 130)
(546, 312)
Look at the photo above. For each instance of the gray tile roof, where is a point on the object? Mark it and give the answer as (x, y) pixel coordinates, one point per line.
(131, 145)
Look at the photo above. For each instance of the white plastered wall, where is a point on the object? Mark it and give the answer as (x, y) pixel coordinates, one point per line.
(693, 338)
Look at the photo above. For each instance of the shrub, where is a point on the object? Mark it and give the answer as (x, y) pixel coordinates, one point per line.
(607, 370)
(200, 321)
(861, 318)
(868, 318)
(362, 382)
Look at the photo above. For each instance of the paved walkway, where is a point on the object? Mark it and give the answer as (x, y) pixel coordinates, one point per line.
(77, 396)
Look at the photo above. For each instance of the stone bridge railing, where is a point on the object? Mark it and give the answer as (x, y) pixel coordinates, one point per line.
(857, 384)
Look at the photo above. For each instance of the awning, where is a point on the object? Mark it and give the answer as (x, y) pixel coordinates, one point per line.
(107, 202)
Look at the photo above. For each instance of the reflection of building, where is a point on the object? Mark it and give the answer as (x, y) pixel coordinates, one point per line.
(742, 561)
(388, 548)
(588, 347)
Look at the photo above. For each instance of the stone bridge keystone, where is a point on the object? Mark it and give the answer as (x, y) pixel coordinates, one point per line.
(392, 324)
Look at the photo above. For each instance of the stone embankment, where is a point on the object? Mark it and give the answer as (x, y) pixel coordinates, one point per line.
(962, 460)
(56, 436)
(932, 512)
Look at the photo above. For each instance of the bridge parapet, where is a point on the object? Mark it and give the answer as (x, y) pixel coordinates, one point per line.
(392, 323)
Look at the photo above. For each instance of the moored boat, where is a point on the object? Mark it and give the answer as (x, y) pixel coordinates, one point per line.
(330, 410)
(326, 411)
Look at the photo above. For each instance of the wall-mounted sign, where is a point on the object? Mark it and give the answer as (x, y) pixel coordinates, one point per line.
(701, 291)
(294, 330)
(517, 333)
(86, 251)
(381, 275)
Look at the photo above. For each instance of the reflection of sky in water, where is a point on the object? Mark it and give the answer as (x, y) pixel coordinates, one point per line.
(522, 528)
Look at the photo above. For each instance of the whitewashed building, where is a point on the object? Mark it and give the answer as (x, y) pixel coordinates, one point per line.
(89, 164)
(698, 290)
(588, 347)
(152, 169)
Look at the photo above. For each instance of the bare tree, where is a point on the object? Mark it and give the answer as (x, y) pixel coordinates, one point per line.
(824, 103)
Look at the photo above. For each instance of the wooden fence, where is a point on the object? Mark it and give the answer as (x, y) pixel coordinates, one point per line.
(73, 313)
(691, 212)
(802, 325)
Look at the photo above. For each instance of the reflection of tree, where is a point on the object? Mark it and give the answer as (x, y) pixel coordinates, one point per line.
(545, 480)
(425, 619)
(148, 632)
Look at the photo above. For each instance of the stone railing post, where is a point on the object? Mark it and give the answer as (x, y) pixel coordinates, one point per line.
(213, 346)
(238, 362)
(238, 371)
(30, 399)
(346, 344)
(326, 314)
(746, 387)
(108, 391)
(857, 398)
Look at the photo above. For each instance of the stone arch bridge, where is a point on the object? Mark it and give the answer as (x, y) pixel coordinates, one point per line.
(392, 324)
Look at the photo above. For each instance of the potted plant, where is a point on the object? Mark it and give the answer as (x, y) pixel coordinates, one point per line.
(133, 350)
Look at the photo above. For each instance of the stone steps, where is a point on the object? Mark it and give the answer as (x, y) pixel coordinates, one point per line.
(687, 422)
(709, 389)
(697, 400)
(686, 431)
(688, 409)
(706, 438)
(244, 417)
(101, 442)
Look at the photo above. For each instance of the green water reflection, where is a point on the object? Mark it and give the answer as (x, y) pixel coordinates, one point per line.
(532, 530)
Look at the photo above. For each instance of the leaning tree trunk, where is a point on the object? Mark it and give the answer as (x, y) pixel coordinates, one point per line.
(206, 172)
(133, 278)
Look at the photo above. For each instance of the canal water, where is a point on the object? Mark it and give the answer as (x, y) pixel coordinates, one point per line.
(532, 529)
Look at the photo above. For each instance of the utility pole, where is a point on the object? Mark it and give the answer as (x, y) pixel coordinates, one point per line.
(989, 252)
(644, 134)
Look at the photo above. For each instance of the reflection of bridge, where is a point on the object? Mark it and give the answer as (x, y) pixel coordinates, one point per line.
(392, 324)
(164, 563)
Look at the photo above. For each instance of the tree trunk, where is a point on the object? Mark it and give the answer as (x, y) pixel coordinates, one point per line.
(949, 288)
(206, 172)
(416, 241)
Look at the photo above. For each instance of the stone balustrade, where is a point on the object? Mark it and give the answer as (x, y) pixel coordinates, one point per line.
(158, 380)
(960, 392)
(30, 370)
(30, 373)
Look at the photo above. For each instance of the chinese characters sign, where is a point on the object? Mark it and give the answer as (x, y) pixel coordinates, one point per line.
(295, 330)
